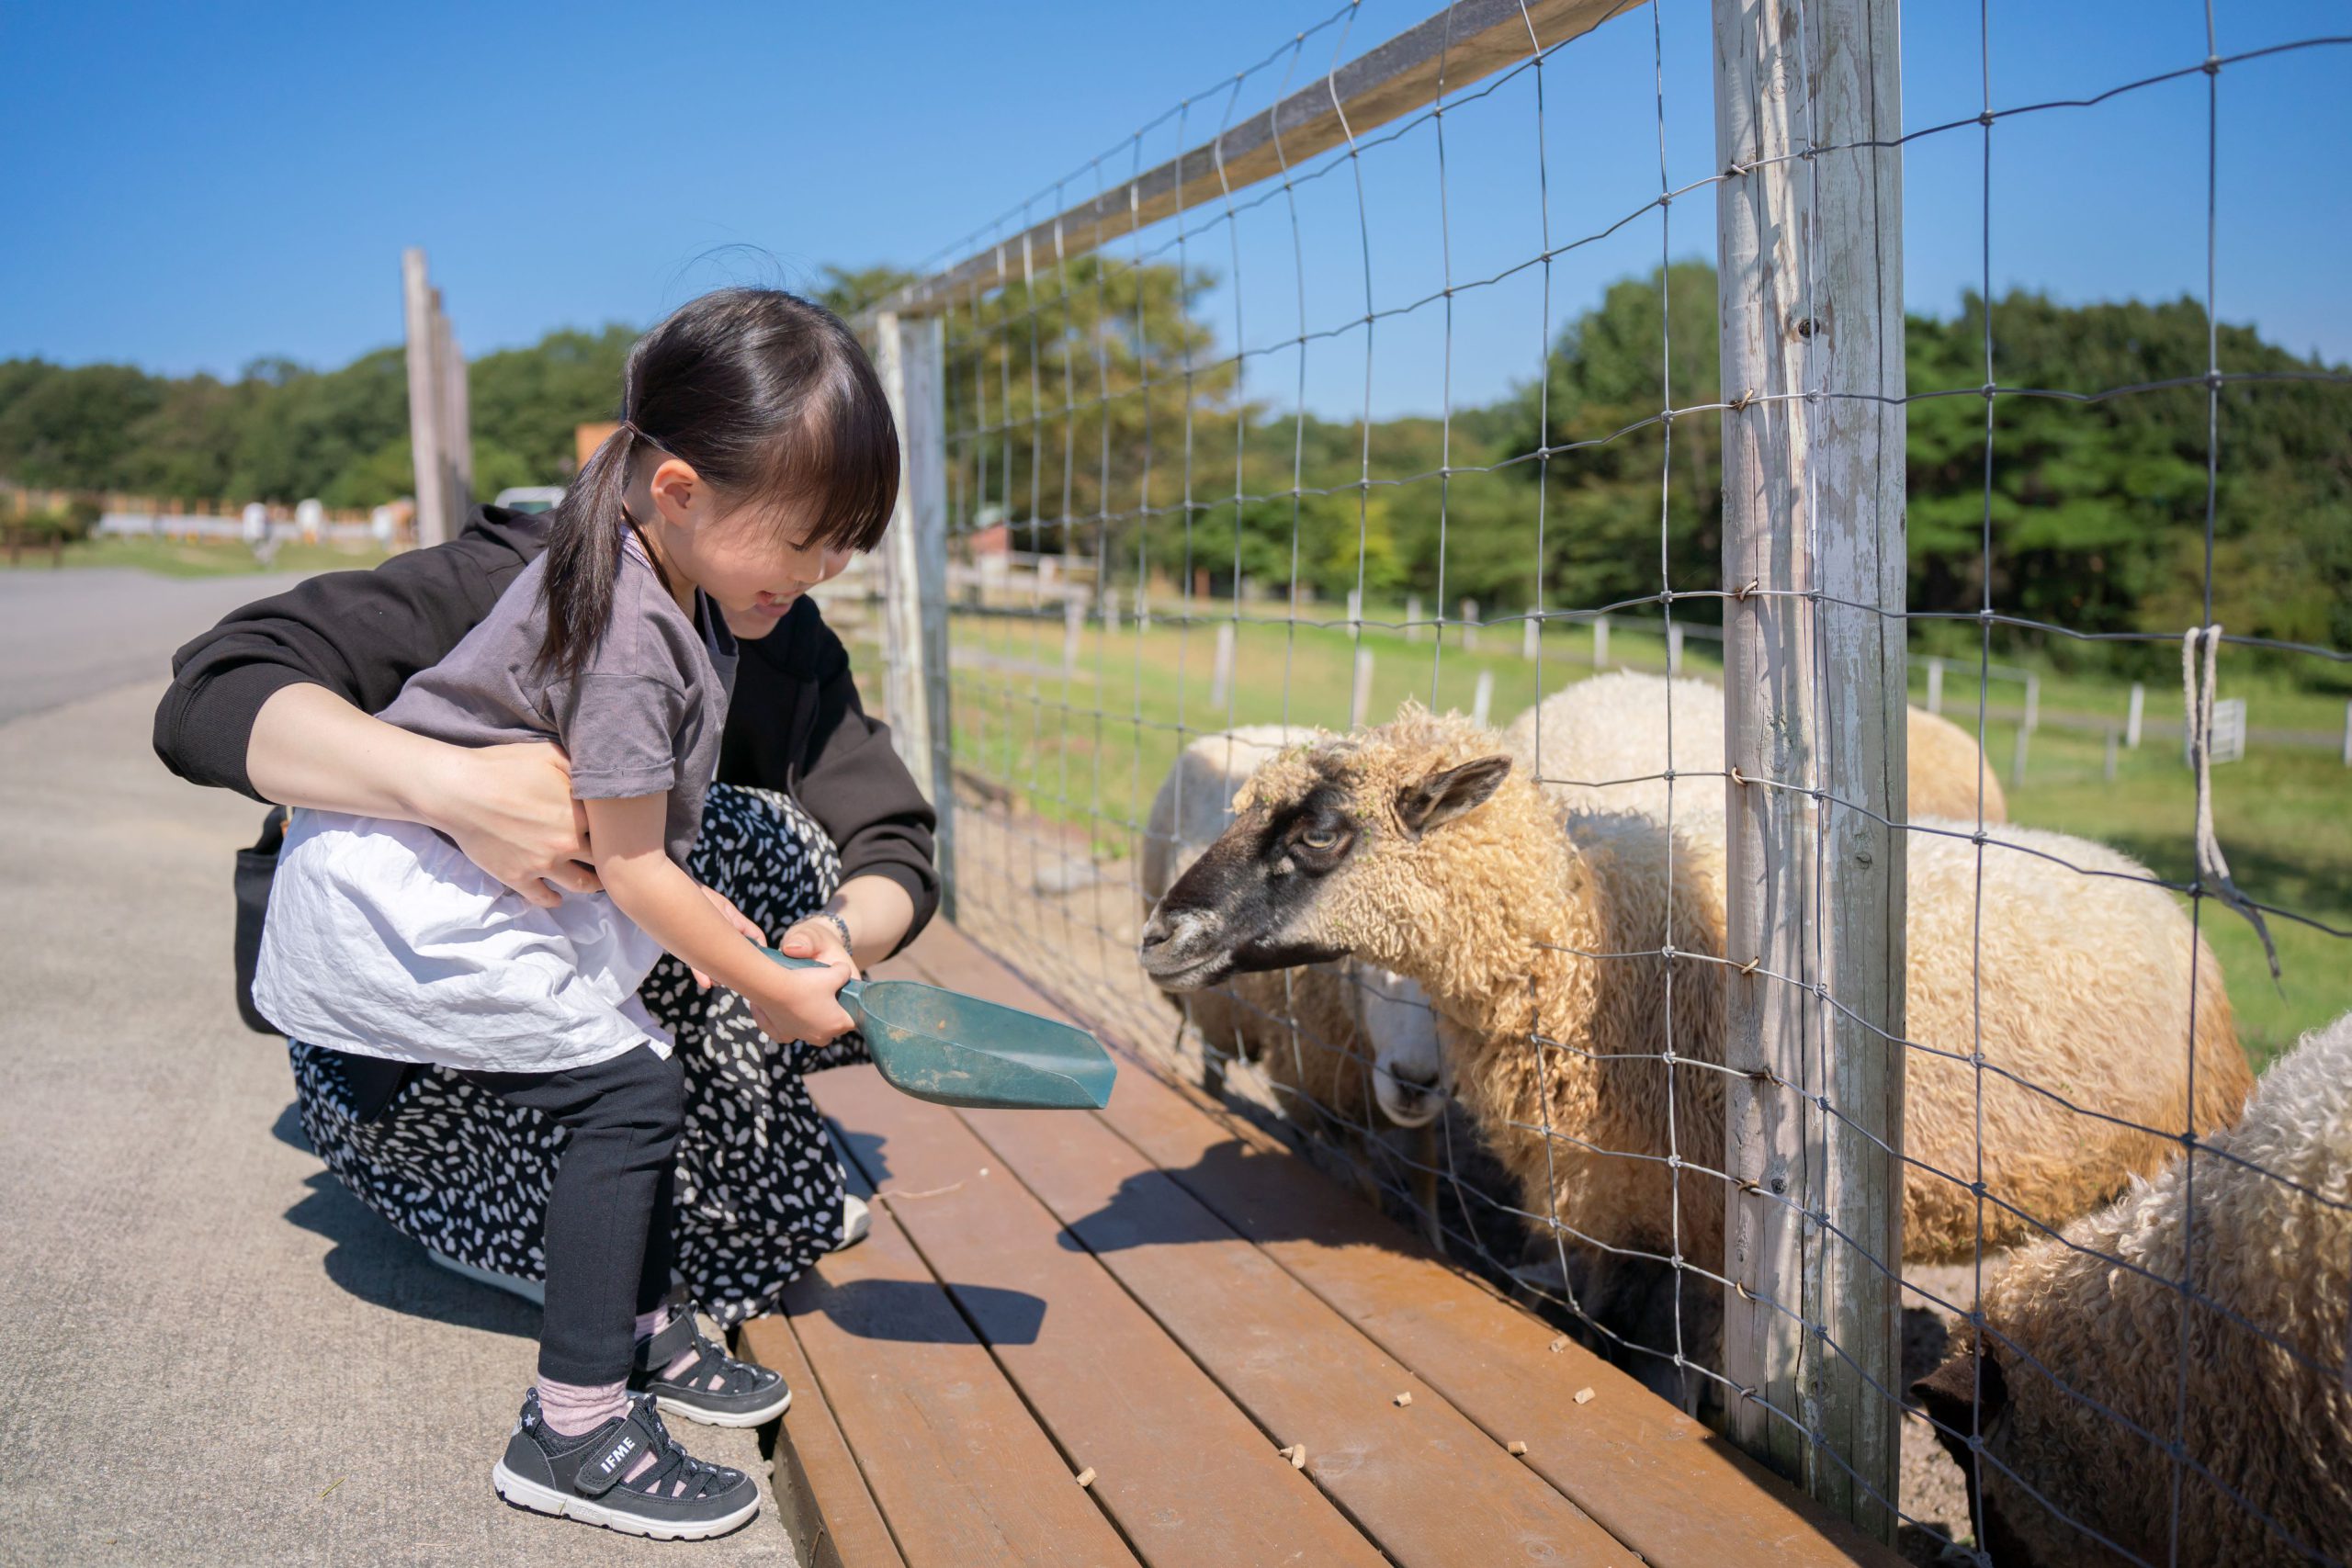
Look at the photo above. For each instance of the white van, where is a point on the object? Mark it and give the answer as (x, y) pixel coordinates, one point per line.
(531, 498)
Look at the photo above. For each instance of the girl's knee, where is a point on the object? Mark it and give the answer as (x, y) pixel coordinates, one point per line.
(646, 1093)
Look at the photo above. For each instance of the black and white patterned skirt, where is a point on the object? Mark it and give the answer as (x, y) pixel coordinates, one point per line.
(759, 1195)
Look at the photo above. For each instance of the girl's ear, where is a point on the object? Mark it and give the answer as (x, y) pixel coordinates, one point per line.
(676, 488)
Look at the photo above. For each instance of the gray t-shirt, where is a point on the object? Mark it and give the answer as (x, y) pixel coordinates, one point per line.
(643, 715)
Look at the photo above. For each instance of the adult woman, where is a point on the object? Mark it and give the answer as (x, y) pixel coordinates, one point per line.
(815, 830)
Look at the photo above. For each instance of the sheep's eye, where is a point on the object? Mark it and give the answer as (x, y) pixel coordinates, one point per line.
(1319, 838)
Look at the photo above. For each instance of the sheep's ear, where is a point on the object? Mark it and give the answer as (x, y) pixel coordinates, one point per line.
(1951, 1392)
(1433, 801)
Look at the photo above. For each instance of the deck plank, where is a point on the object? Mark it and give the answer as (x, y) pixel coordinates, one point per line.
(831, 1515)
(1187, 1479)
(1423, 1482)
(1658, 1481)
(955, 1461)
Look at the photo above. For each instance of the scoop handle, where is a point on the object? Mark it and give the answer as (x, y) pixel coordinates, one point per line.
(851, 989)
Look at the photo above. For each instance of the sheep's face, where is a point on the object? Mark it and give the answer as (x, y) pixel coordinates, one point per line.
(1327, 857)
(1409, 1076)
(1968, 1395)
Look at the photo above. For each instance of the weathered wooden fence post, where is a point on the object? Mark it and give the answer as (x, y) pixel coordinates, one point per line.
(909, 354)
(1809, 275)
(1221, 670)
(427, 384)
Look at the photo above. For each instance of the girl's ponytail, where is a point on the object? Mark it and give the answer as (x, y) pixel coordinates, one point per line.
(583, 555)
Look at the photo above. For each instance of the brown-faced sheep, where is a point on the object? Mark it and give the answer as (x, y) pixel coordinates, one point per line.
(1417, 847)
(1363, 1037)
(1601, 744)
(2097, 1318)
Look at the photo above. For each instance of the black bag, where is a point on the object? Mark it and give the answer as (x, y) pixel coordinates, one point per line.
(373, 1080)
(256, 866)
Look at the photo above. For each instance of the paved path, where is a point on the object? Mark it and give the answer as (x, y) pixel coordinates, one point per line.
(217, 1355)
(76, 632)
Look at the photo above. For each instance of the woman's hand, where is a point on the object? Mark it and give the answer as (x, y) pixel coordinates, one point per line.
(509, 809)
(735, 918)
(803, 1004)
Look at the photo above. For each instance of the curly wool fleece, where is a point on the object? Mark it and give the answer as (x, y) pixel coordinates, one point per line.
(1539, 931)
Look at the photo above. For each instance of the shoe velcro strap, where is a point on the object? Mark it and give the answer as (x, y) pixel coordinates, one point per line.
(618, 1454)
(669, 1342)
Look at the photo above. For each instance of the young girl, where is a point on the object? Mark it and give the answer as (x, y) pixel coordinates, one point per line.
(756, 454)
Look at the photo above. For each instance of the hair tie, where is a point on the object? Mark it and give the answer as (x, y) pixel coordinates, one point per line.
(631, 427)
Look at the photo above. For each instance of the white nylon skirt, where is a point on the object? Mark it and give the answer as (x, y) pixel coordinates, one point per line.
(383, 940)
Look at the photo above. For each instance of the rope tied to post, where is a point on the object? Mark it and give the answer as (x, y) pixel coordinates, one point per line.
(2213, 869)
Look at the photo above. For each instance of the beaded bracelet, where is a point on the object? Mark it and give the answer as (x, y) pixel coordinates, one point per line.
(849, 944)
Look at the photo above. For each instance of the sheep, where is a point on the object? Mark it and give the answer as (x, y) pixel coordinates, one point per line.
(2095, 1317)
(1942, 757)
(1417, 847)
(1582, 739)
(1346, 1018)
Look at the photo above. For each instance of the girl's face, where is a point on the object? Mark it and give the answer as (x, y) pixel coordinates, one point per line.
(750, 559)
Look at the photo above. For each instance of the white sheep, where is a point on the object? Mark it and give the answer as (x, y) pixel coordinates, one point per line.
(1538, 932)
(1348, 1016)
(2263, 1230)
(1601, 744)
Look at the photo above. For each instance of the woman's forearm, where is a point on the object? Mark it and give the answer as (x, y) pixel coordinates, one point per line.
(509, 808)
(878, 912)
(311, 748)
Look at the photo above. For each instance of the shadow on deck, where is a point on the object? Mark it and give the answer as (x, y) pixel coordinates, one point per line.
(1163, 1294)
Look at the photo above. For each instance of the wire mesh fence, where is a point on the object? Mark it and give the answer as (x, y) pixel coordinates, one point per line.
(1762, 1039)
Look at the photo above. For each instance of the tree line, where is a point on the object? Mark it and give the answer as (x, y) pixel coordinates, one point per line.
(1073, 406)
(1090, 415)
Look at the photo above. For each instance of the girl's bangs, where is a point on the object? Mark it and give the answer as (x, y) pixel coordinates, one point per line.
(844, 460)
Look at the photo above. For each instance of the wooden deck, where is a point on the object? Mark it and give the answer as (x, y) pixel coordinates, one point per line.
(1162, 1293)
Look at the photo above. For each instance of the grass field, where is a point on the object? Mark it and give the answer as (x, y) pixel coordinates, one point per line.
(169, 557)
(1089, 748)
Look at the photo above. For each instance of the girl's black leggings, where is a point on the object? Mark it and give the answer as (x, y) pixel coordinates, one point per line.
(610, 1208)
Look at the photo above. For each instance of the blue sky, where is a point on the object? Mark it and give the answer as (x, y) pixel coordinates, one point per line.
(193, 186)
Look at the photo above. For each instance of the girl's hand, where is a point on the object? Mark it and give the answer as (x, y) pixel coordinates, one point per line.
(509, 809)
(801, 1003)
(733, 917)
(819, 939)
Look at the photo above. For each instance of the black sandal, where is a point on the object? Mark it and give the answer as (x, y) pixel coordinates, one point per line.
(714, 1388)
(677, 1497)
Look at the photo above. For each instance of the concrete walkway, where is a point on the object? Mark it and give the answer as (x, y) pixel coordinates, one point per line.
(74, 633)
(217, 1355)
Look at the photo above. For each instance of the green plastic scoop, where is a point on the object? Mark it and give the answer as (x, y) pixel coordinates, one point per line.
(956, 1050)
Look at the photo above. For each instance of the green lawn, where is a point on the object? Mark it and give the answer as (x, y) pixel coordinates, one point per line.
(2281, 818)
(1094, 746)
(169, 557)
(2272, 700)
(1090, 747)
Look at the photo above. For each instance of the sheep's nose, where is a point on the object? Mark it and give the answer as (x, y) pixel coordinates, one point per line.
(1411, 1095)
